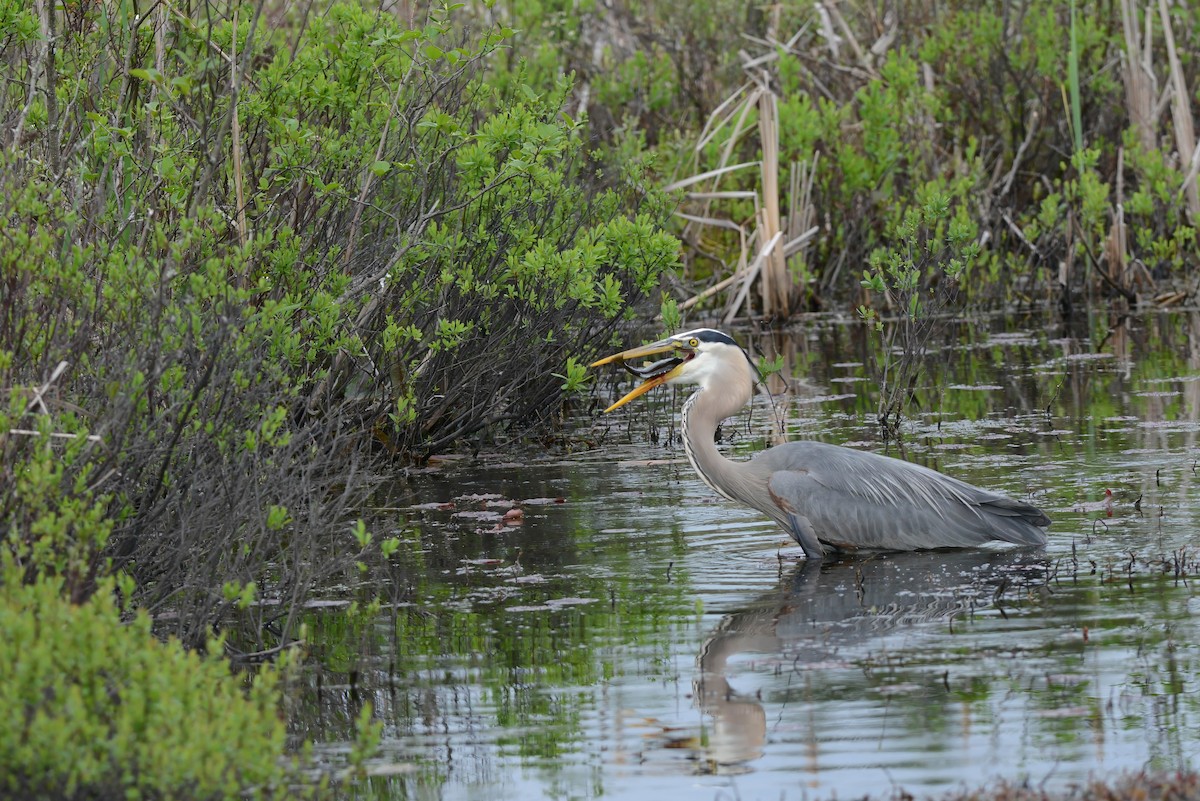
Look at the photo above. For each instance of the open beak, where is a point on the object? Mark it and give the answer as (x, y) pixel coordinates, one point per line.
(653, 374)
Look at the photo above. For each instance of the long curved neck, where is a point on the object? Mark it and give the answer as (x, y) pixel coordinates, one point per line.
(702, 413)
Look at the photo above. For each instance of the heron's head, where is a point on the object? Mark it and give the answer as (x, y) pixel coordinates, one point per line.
(703, 356)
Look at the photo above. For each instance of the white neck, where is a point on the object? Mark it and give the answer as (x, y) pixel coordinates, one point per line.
(703, 411)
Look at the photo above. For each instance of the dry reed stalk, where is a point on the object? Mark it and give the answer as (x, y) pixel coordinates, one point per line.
(801, 221)
(1114, 251)
(775, 286)
(794, 182)
(40, 393)
(734, 108)
(827, 32)
(1031, 128)
(25, 432)
(718, 119)
(704, 219)
(712, 290)
(738, 271)
(704, 176)
(717, 222)
(728, 194)
(1181, 114)
(739, 128)
(1141, 86)
(795, 245)
(770, 267)
(1193, 171)
(199, 190)
(774, 47)
(751, 273)
(746, 243)
(848, 36)
(37, 405)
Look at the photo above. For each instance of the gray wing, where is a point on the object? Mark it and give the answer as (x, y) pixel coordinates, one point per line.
(855, 499)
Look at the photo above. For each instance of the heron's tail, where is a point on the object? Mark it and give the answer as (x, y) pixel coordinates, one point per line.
(1018, 521)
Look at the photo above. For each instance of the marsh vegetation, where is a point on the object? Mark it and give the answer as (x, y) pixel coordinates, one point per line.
(257, 260)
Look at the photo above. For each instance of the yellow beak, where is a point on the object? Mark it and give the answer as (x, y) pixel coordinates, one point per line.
(651, 381)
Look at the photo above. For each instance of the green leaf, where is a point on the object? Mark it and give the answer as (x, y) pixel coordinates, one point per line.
(148, 74)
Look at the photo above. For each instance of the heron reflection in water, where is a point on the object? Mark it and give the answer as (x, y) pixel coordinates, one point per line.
(840, 613)
(828, 498)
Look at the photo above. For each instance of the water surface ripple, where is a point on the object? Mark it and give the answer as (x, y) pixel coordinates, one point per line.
(637, 635)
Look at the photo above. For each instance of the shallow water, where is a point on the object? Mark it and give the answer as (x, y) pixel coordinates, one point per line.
(636, 635)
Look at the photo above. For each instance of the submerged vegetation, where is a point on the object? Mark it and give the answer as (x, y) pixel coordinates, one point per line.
(253, 256)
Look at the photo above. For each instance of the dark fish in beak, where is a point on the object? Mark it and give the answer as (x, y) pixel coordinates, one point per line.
(649, 371)
(653, 374)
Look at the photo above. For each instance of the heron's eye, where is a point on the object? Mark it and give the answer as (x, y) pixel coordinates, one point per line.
(693, 343)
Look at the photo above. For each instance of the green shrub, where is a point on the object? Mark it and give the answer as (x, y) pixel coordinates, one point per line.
(917, 278)
(98, 708)
(247, 292)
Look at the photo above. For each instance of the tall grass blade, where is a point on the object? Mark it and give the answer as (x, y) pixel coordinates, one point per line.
(1073, 84)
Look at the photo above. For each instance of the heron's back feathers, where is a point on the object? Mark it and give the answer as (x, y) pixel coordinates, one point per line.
(860, 500)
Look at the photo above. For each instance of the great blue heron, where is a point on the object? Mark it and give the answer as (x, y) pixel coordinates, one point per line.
(825, 496)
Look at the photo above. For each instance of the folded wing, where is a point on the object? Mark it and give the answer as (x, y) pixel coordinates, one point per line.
(860, 500)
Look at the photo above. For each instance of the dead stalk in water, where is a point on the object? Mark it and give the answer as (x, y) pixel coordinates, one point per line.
(769, 267)
(1181, 114)
(1141, 86)
(775, 288)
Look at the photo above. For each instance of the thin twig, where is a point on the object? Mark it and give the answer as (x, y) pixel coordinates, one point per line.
(1104, 276)
(235, 135)
(1030, 130)
(25, 432)
(200, 189)
(52, 122)
(39, 393)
